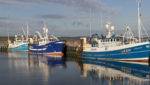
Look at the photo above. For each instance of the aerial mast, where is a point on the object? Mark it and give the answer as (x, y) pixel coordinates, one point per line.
(90, 18)
(8, 31)
(8, 27)
(27, 36)
(139, 20)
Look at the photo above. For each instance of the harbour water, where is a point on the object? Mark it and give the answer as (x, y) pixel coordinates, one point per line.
(25, 69)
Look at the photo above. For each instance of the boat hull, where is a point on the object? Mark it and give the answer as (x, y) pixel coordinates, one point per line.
(19, 48)
(136, 53)
(52, 48)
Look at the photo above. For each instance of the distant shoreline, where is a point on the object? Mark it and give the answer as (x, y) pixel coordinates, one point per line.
(5, 38)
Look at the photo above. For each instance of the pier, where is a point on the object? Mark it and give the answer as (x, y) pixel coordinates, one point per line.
(3, 49)
(3, 46)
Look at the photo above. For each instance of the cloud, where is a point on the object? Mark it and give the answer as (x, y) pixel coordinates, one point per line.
(79, 23)
(16, 3)
(83, 5)
(79, 5)
(10, 18)
(58, 16)
(3, 18)
(6, 24)
(75, 5)
(14, 28)
(51, 16)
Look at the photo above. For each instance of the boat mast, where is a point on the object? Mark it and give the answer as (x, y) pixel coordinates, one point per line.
(8, 32)
(8, 22)
(90, 18)
(24, 32)
(101, 22)
(8, 28)
(139, 20)
(27, 36)
(45, 31)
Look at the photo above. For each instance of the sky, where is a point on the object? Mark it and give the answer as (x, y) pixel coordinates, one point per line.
(67, 18)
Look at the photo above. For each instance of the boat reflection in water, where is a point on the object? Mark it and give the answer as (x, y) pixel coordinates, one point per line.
(49, 60)
(114, 72)
(17, 55)
(17, 60)
(34, 67)
(37, 60)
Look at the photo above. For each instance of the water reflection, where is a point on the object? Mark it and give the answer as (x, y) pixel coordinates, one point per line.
(115, 72)
(42, 60)
(17, 61)
(45, 64)
(55, 70)
(34, 61)
(36, 66)
(17, 55)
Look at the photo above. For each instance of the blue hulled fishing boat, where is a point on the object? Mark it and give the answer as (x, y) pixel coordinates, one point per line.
(48, 45)
(20, 44)
(112, 47)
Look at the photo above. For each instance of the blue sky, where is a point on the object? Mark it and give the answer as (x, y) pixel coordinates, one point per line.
(70, 17)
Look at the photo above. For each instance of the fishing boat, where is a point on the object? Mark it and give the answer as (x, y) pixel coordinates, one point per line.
(20, 44)
(47, 45)
(125, 47)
